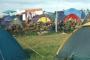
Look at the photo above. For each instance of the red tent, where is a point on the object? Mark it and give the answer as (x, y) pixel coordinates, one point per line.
(72, 17)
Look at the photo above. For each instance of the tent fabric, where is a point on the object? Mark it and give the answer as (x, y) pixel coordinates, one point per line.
(87, 18)
(41, 18)
(77, 46)
(83, 14)
(73, 11)
(35, 18)
(44, 20)
(50, 15)
(86, 24)
(61, 15)
(9, 48)
(8, 18)
(72, 17)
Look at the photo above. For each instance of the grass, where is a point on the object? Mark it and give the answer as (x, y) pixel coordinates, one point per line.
(46, 45)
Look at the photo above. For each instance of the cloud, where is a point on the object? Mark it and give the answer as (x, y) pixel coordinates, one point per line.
(85, 1)
(21, 1)
(66, 5)
(48, 5)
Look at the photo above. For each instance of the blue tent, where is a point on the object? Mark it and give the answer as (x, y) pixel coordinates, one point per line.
(8, 18)
(83, 14)
(61, 15)
(9, 48)
(73, 11)
(77, 47)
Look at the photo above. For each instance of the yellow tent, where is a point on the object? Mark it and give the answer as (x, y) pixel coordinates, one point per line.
(44, 20)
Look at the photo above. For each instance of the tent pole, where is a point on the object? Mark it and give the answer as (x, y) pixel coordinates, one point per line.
(56, 21)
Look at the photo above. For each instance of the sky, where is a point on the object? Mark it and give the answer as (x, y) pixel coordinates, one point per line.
(47, 5)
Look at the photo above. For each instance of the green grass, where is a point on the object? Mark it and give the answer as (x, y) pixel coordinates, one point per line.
(45, 45)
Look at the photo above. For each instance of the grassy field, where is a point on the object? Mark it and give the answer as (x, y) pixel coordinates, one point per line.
(45, 46)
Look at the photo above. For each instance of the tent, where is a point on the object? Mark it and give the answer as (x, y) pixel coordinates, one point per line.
(83, 15)
(61, 15)
(35, 18)
(50, 15)
(41, 18)
(87, 24)
(87, 18)
(77, 47)
(72, 17)
(73, 11)
(9, 48)
(6, 20)
(44, 20)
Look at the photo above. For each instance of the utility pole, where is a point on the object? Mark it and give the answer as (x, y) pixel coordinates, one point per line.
(56, 18)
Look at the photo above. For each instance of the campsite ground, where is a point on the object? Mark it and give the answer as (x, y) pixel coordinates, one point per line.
(45, 46)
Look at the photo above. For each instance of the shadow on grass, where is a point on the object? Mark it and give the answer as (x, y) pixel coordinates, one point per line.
(28, 52)
(31, 55)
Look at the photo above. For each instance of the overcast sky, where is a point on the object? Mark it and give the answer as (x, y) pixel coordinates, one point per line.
(47, 5)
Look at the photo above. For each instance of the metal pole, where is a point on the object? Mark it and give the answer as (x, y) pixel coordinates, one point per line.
(56, 21)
